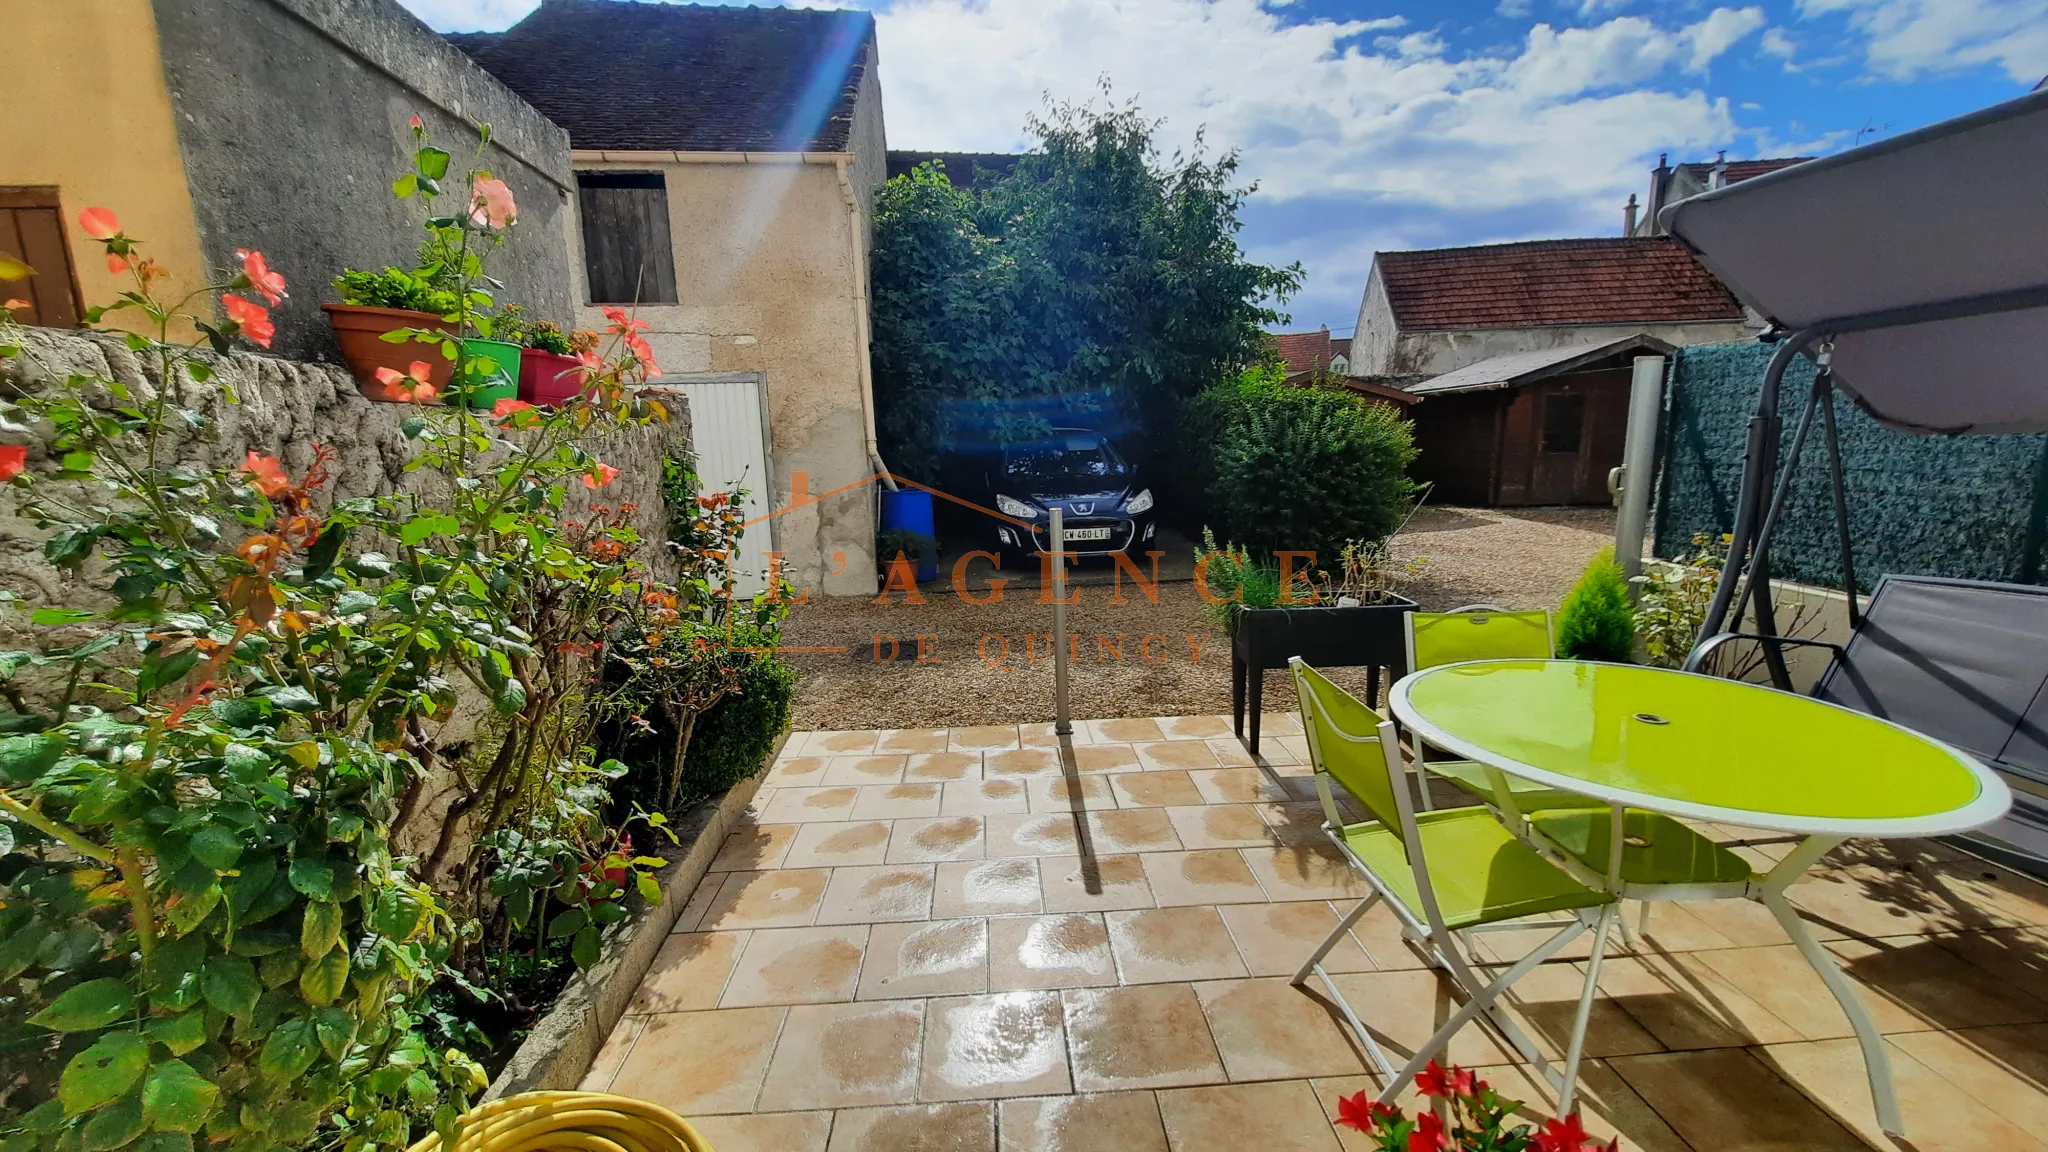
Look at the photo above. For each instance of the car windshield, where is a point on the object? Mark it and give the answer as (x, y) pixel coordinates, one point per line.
(1076, 459)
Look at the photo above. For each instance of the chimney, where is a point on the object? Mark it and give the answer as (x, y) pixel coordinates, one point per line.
(1719, 179)
(1660, 179)
(1628, 216)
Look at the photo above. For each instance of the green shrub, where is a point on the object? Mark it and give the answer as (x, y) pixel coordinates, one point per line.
(734, 738)
(1303, 469)
(393, 288)
(1596, 622)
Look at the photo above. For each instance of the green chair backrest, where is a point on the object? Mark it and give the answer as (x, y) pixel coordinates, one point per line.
(1343, 741)
(1477, 633)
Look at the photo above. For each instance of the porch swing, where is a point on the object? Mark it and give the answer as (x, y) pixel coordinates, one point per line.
(1913, 272)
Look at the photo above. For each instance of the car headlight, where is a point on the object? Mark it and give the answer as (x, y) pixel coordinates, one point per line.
(1142, 502)
(1010, 506)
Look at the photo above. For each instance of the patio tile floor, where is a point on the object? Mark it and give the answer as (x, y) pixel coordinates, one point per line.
(938, 939)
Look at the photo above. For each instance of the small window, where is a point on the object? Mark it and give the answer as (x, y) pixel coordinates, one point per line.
(1564, 415)
(627, 258)
(32, 231)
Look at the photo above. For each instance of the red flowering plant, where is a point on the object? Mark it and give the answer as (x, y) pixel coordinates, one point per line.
(1469, 1117)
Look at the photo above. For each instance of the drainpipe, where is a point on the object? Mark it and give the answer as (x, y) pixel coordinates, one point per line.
(860, 319)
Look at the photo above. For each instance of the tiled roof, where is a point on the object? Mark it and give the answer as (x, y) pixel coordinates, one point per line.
(1740, 170)
(1597, 281)
(962, 168)
(1514, 369)
(685, 77)
(1303, 351)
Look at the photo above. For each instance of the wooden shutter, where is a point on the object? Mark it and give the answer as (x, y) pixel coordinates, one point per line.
(32, 231)
(627, 257)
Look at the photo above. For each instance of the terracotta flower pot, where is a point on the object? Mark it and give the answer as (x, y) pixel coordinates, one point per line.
(547, 379)
(358, 329)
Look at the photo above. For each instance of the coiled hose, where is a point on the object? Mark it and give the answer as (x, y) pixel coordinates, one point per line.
(569, 1122)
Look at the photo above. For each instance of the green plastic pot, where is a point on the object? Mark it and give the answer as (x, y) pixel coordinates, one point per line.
(500, 383)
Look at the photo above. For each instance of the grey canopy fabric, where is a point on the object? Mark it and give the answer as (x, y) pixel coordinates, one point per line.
(1949, 223)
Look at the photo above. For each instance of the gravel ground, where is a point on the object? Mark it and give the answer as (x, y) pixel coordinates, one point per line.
(991, 663)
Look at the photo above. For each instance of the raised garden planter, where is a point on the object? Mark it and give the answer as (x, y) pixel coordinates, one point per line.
(1372, 636)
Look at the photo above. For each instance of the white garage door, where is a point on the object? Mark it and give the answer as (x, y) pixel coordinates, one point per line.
(729, 428)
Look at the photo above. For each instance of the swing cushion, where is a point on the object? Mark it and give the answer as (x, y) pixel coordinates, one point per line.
(1480, 873)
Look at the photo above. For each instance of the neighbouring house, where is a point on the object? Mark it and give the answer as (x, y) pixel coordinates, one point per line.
(726, 164)
(212, 125)
(963, 169)
(1310, 353)
(1669, 185)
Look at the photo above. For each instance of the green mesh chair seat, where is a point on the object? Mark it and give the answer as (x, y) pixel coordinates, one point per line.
(1529, 795)
(1655, 848)
(1481, 873)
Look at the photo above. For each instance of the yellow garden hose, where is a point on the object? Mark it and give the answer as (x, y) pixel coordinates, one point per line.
(569, 1122)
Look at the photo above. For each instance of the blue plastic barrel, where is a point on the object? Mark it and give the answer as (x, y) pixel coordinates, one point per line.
(910, 510)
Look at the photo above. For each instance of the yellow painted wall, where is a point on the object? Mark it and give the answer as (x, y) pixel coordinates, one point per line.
(85, 108)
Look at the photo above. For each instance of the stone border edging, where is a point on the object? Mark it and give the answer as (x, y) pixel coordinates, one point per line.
(563, 1043)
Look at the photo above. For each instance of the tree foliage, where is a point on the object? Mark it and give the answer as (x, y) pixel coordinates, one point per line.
(1596, 622)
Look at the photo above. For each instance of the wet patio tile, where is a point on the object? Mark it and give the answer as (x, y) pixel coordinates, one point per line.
(845, 1056)
(1131, 830)
(1274, 939)
(1153, 789)
(1176, 756)
(1267, 1029)
(935, 958)
(1125, 731)
(605, 1064)
(1046, 834)
(699, 1063)
(911, 740)
(1727, 1100)
(1282, 1116)
(831, 843)
(1147, 1036)
(987, 737)
(699, 902)
(1939, 1117)
(1102, 1122)
(1205, 876)
(987, 888)
(983, 797)
(1404, 1009)
(894, 801)
(1230, 752)
(803, 805)
(1165, 945)
(1106, 758)
(766, 1132)
(942, 838)
(1193, 727)
(797, 966)
(1020, 762)
(838, 743)
(877, 894)
(795, 772)
(689, 972)
(1000, 1045)
(754, 848)
(1066, 951)
(1051, 794)
(920, 1128)
(1237, 786)
(1093, 884)
(942, 766)
(1219, 826)
(779, 898)
(1298, 873)
(1296, 823)
(854, 771)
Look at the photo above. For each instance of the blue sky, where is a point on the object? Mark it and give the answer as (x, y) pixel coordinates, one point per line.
(1388, 124)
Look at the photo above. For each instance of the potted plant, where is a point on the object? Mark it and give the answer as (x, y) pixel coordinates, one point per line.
(375, 303)
(920, 550)
(1354, 619)
(550, 374)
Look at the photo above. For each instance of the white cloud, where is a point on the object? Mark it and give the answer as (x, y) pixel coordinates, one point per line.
(1909, 38)
(1591, 8)
(1721, 30)
(1513, 9)
(1778, 43)
(470, 15)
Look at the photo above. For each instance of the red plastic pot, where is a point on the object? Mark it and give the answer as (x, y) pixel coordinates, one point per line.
(549, 380)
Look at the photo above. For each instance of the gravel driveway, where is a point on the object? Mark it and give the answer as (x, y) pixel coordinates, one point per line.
(991, 663)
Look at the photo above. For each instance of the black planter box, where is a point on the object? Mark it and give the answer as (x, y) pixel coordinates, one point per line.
(1372, 636)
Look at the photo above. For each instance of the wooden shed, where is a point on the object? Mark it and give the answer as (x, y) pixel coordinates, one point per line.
(1540, 427)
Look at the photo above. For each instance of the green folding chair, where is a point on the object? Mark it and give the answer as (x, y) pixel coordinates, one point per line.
(1444, 874)
(1482, 632)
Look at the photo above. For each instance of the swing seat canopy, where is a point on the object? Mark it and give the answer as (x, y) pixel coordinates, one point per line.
(1924, 257)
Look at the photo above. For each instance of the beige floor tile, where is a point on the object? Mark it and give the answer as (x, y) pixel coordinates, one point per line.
(1281, 1116)
(1054, 794)
(1295, 823)
(1218, 825)
(1298, 873)
(1014, 834)
(795, 772)
(1020, 762)
(1131, 830)
(1205, 876)
(1125, 731)
(999, 1045)
(1285, 749)
(1379, 932)
(1153, 789)
(1748, 924)
(1268, 1029)
(754, 848)
(938, 958)
(1978, 894)
(1686, 1005)
(983, 797)
(1238, 786)
(1673, 928)
(1106, 758)
(1148, 1036)
(1176, 756)
(797, 966)
(699, 1063)
(838, 743)
(1193, 727)
(1230, 752)
(779, 898)
(856, 771)
(605, 1065)
(689, 972)
(699, 903)
(2005, 1069)
(895, 801)
(832, 843)
(878, 894)
(845, 1056)
(1274, 939)
(911, 740)
(802, 805)
(1103, 1122)
(1404, 1009)
(941, 838)
(2018, 956)
(1938, 1116)
(1093, 883)
(1545, 1002)
(985, 738)
(1932, 987)
(987, 888)
(1165, 945)
(1066, 951)
(1728, 1101)
(966, 1127)
(942, 766)
(1042, 736)
(766, 1132)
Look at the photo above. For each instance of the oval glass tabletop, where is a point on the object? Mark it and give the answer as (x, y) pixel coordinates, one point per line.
(1699, 746)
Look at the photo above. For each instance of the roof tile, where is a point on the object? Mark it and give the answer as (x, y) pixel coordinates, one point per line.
(1592, 281)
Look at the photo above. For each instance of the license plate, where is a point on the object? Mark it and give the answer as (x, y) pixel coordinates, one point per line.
(1087, 533)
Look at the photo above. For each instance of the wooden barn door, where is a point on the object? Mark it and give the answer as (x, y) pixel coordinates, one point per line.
(32, 231)
(1580, 424)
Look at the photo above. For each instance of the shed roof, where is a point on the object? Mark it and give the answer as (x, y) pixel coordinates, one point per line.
(684, 77)
(1619, 280)
(1515, 369)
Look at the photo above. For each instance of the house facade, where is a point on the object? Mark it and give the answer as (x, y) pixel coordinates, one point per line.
(726, 166)
(1671, 183)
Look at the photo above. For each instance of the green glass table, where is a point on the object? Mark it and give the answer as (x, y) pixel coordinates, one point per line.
(1703, 748)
